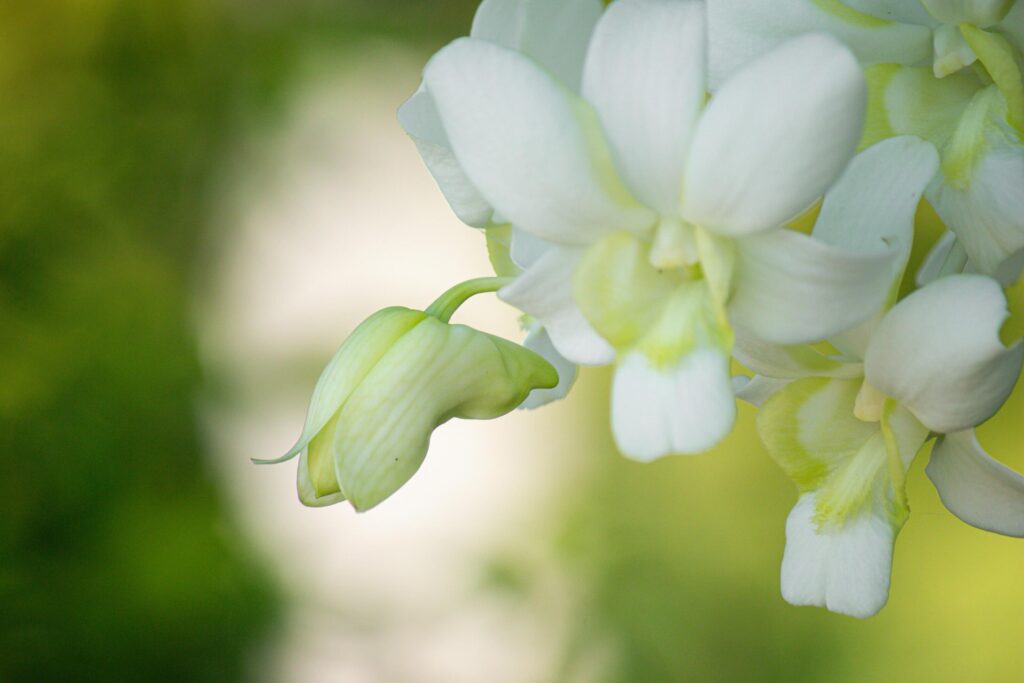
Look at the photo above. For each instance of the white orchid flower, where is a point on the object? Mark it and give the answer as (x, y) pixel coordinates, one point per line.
(653, 218)
(918, 53)
(846, 429)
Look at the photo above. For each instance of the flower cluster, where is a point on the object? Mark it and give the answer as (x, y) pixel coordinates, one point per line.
(640, 171)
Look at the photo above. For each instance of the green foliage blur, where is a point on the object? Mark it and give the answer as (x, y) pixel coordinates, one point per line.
(118, 557)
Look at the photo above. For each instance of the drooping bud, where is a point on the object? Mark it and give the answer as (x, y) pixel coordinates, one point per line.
(400, 375)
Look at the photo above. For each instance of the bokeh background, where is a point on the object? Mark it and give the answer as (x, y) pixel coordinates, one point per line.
(199, 200)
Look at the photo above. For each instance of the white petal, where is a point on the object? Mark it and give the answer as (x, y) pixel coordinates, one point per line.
(1009, 270)
(685, 408)
(1013, 25)
(531, 147)
(757, 389)
(775, 137)
(555, 34)
(986, 210)
(947, 257)
(419, 117)
(894, 174)
(539, 342)
(790, 362)
(977, 489)
(952, 53)
(545, 292)
(744, 29)
(938, 352)
(645, 77)
(525, 249)
(845, 569)
(792, 289)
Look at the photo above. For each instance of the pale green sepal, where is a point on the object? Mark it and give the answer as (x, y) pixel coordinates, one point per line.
(352, 362)
(967, 144)
(307, 494)
(917, 103)
(499, 250)
(809, 429)
(997, 55)
(619, 291)
(433, 373)
(320, 461)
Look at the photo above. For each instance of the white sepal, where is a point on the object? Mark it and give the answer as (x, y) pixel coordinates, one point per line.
(976, 488)
(539, 342)
(938, 353)
(791, 288)
(534, 150)
(775, 137)
(645, 75)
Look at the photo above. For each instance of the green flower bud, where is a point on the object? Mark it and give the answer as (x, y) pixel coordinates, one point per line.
(401, 374)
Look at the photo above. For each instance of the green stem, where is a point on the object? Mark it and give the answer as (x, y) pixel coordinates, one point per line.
(445, 306)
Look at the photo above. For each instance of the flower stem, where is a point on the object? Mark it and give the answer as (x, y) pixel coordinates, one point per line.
(445, 305)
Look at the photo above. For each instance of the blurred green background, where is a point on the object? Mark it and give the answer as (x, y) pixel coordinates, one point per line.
(121, 555)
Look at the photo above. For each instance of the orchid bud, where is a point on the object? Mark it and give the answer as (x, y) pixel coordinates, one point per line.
(401, 374)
